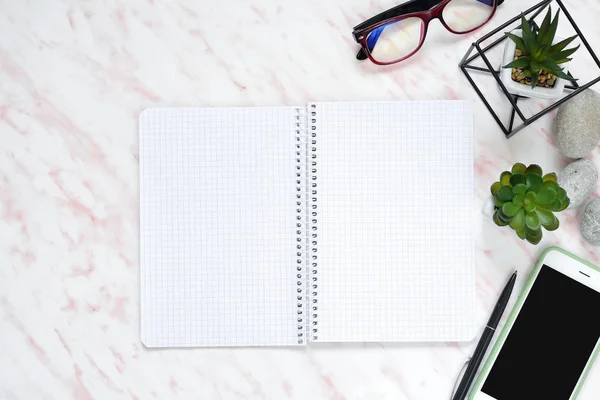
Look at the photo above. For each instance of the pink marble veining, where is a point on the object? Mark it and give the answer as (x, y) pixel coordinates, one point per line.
(74, 77)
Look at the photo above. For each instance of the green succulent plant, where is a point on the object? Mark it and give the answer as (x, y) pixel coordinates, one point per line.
(526, 200)
(539, 54)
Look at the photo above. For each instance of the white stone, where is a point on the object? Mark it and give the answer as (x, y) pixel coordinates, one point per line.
(579, 180)
(590, 222)
(577, 125)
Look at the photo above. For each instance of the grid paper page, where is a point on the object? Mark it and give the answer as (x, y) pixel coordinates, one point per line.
(217, 222)
(396, 251)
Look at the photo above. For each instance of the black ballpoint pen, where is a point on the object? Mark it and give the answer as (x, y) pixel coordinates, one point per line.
(484, 342)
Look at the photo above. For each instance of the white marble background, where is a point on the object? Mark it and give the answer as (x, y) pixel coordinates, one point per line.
(74, 75)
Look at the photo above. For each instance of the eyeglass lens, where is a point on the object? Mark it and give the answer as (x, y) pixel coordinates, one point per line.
(465, 15)
(395, 40)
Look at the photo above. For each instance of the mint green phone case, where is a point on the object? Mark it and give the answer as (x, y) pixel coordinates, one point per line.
(513, 316)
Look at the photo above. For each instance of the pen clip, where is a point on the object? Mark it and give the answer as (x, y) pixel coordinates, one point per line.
(458, 378)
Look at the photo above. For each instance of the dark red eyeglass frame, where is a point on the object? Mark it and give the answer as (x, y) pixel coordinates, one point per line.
(426, 10)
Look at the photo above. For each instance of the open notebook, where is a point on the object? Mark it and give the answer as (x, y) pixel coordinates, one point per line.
(329, 223)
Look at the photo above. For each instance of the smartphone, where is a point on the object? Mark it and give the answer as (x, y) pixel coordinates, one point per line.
(552, 336)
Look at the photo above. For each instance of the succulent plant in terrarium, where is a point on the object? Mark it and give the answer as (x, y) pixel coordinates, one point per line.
(526, 200)
(537, 60)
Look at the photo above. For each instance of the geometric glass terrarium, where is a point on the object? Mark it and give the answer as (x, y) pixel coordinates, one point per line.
(513, 112)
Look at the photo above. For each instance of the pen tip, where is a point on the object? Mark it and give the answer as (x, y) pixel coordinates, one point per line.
(516, 272)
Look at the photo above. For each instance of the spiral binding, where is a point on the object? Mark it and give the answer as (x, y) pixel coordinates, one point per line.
(314, 285)
(301, 223)
(306, 224)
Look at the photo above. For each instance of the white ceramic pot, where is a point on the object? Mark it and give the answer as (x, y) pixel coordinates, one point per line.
(526, 90)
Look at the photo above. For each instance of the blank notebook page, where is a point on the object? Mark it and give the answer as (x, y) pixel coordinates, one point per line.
(217, 224)
(394, 217)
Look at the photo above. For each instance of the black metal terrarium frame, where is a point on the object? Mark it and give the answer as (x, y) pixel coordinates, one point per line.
(465, 65)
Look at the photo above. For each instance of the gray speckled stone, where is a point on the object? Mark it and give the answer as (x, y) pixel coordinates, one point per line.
(590, 222)
(579, 180)
(577, 125)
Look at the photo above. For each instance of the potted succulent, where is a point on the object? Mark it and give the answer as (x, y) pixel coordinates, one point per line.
(536, 61)
(526, 200)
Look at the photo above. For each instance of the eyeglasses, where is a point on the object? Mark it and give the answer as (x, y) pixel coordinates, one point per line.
(398, 33)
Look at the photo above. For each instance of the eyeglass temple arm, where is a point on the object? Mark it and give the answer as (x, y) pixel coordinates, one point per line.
(405, 8)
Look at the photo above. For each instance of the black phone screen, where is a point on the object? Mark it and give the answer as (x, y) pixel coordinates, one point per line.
(550, 342)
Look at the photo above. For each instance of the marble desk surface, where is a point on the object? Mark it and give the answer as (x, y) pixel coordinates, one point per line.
(74, 77)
